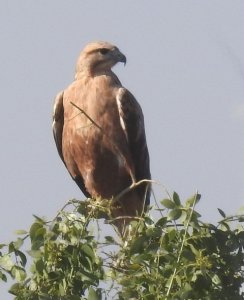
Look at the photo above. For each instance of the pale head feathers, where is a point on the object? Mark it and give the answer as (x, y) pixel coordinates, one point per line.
(98, 58)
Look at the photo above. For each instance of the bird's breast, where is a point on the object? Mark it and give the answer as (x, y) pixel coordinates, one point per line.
(94, 144)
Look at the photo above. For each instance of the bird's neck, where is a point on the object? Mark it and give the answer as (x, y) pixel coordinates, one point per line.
(86, 73)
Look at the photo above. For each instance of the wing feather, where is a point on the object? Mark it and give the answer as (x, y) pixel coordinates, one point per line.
(58, 124)
(132, 122)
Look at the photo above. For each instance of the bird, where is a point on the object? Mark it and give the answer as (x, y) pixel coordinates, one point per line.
(99, 131)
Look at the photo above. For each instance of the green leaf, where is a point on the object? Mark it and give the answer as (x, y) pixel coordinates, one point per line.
(194, 219)
(161, 222)
(3, 277)
(241, 218)
(93, 294)
(40, 266)
(194, 250)
(55, 275)
(40, 220)
(34, 228)
(6, 262)
(22, 257)
(18, 273)
(110, 240)
(224, 226)
(35, 253)
(184, 216)
(240, 236)
(178, 280)
(18, 243)
(37, 233)
(222, 213)
(73, 297)
(216, 280)
(11, 247)
(14, 289)
(138, 259)
(61, 289)
(176, 199)
(20, 232)
(168, 203)
(138, 245)
(88, 276)
(154, 232)
(192, 200)
(186, 253)
(88, 251)
(174, 214)
(172, 234)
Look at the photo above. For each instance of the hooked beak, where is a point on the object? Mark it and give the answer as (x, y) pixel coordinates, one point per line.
(120, 57)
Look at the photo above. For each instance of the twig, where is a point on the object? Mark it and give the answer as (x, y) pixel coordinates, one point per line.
(125, 217)
(231, 218)
(132, 187)
(182, 245)
(71, 201)
(88, 117)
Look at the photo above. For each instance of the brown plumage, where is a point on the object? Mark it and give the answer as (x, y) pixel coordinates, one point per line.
(99, 131)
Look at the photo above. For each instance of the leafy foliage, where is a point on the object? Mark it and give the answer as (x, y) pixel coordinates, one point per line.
(176, 256)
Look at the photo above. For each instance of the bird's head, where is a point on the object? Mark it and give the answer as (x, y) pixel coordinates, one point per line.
(98, 58)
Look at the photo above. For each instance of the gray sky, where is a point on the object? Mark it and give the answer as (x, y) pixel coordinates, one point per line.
(185, 66)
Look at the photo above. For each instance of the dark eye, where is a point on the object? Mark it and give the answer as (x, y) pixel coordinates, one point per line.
(103, 51)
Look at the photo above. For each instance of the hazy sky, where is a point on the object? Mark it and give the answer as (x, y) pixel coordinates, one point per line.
(185, 66)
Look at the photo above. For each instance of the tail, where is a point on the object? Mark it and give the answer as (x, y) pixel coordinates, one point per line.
(127, 208)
